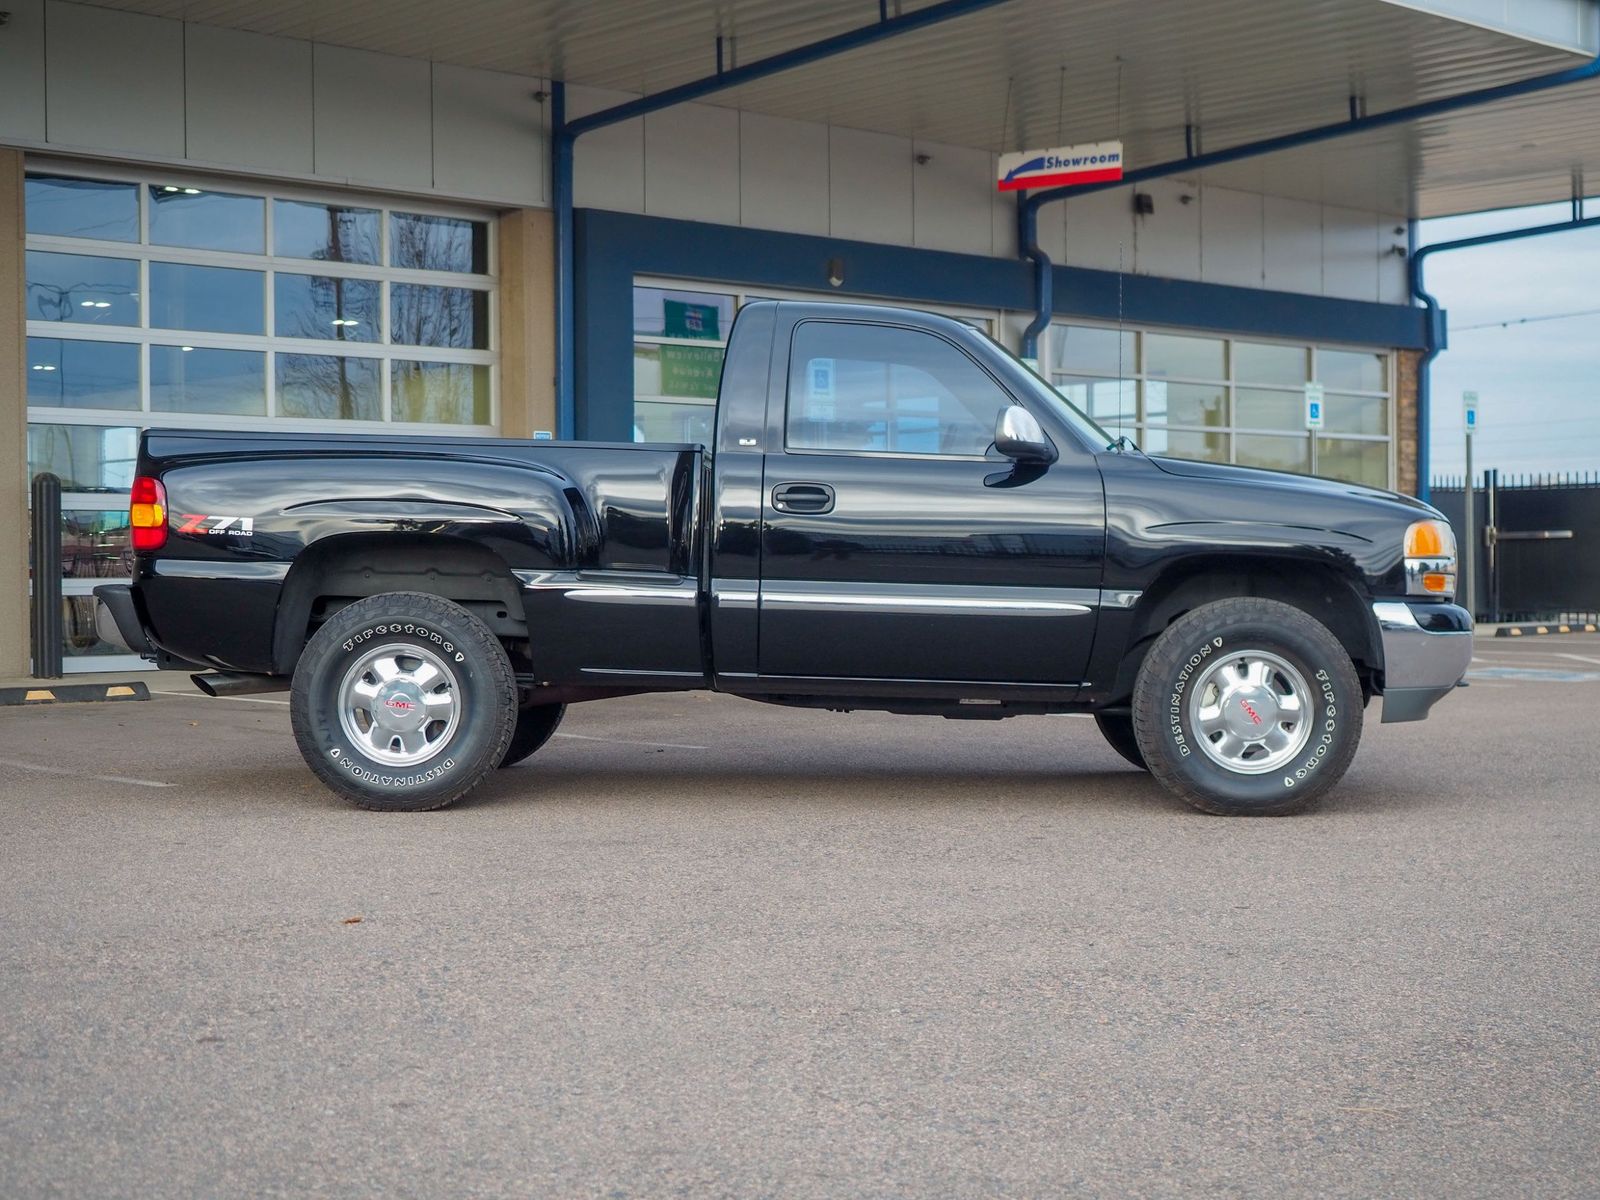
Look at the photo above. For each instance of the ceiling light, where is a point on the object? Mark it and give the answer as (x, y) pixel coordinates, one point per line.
(43, 367)
(169, 188)
(186, 349)
(191, 191)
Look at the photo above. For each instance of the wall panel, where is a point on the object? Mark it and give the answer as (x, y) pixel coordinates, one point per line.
(691, 163)
(374, 119)
(488, 135)
(783, 173)
(22, 72)
(248, 99)
(869, 188)
(114, 80)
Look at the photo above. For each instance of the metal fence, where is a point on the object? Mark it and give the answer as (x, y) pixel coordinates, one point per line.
(1535, 543)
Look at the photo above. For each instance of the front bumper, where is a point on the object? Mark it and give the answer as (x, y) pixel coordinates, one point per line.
(1426, 650)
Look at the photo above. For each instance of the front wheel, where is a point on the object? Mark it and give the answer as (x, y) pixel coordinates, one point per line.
(403, 702)
(1247, 707)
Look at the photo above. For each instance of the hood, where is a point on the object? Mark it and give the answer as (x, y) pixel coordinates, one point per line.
(1307, 484)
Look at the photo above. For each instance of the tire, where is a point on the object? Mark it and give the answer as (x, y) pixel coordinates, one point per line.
(1118, 731)
(420, 657)
(1221, 674)
(536, 724)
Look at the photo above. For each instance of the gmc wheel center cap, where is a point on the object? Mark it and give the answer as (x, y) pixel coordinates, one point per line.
(399, 707)
(1250, 713)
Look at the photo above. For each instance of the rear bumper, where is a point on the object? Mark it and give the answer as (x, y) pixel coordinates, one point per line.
(116, 620)
(1426, 651)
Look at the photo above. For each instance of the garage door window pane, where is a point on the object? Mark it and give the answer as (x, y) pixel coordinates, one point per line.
(1091, 350)
(82, 289)
(95, 544)
(207, 299)
(438, 243)
(1352, 371)
(329, 387)
(1256, 362)
(63, 373)
(208, 381)
(59, 206)
(1111, 402)
(327, 307)
(327, 232)
(422, 315)
(1257, 408)
(1358, 462)
(1276, 453)
(441, 393)
(1182, 443)
(87, 458)
(1168, 355)
(204, 220)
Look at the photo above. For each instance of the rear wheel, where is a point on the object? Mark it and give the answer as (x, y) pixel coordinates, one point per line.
(1247, 707)
(536, 725)
(403, 702)
(1118, 731)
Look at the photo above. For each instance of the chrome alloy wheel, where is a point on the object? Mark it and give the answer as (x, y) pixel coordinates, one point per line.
(1251, 712)
(399, 704)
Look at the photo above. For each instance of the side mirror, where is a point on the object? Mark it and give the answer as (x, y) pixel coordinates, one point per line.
(1018, 435)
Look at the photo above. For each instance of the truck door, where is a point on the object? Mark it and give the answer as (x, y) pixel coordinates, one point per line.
(896, 543)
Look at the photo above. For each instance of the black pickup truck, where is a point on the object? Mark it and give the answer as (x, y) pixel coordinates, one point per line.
(895, 514)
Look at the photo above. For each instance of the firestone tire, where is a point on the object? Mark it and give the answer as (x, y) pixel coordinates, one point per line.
(536, 725)
(1247, 707)
(403, 702)
(1118, 731)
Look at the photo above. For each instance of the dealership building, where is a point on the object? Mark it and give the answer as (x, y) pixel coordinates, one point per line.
(531, 218)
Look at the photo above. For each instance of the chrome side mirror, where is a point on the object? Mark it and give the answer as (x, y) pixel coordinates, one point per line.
(1018, 435)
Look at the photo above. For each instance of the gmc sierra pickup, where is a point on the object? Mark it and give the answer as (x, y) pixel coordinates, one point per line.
(894, 514)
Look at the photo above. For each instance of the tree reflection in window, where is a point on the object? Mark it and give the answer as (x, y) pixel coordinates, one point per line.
(330, 387)
(424, 315)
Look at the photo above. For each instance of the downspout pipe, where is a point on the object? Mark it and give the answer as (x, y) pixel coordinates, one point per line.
(1436, 332)
(1356, 123)
(1043, 279)
(564, 133)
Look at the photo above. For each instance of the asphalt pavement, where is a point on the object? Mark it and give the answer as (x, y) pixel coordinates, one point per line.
(702, 947)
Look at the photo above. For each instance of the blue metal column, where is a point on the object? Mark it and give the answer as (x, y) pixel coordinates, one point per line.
(1437, 329)
(564, 133)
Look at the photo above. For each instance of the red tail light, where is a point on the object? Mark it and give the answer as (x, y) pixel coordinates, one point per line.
(147, 513)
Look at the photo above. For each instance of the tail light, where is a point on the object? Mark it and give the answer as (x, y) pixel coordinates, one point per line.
(147, 513)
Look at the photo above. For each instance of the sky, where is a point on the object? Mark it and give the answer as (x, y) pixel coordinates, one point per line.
(1538, 383)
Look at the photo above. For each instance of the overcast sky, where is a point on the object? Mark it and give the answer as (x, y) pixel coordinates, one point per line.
(1539, 383)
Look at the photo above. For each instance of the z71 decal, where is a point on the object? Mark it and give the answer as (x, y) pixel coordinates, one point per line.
(207, 524)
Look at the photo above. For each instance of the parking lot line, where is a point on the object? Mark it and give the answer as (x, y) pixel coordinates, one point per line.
(198, 696)
(27, 766)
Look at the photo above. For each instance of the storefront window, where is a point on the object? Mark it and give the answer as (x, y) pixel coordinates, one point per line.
(1227, 400)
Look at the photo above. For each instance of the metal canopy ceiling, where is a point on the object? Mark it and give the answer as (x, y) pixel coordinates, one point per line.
(1042, 72)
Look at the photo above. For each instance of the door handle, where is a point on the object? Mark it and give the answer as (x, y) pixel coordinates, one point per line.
(802, 498)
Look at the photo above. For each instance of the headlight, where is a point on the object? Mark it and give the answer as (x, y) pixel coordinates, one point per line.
(1431, 559)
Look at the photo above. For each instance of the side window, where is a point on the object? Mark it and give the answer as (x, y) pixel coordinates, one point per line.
(876, 387)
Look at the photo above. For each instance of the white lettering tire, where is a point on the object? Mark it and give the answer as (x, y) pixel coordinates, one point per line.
(403, 702)
(1247, 707)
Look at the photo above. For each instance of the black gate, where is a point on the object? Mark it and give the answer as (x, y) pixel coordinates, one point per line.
(1537, 550)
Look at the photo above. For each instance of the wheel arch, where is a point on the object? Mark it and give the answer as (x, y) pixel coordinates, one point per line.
(342, 568)
(1320, 589)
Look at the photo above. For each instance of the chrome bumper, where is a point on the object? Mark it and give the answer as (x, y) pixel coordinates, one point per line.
(117, 622)
(1426, 651)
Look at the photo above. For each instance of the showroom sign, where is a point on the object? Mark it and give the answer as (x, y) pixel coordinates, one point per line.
(1094, 162)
